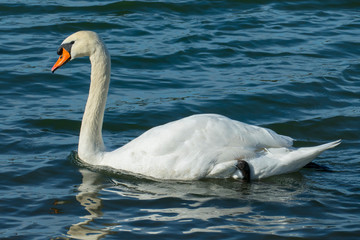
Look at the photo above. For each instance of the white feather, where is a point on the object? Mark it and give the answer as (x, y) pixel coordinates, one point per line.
(276, 161)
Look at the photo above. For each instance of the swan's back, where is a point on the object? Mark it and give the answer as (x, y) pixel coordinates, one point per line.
(191, 147)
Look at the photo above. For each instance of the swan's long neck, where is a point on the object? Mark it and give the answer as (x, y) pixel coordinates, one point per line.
(91, 145)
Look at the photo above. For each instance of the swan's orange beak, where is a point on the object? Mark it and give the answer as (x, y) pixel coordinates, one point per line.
(64, 58)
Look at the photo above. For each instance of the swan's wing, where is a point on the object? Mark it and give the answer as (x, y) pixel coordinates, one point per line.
(207, 130)
(191, 147)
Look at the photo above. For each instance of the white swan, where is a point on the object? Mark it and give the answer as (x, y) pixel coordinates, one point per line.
(199, 146)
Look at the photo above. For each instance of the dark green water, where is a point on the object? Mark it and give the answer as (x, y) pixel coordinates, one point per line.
(292, 66)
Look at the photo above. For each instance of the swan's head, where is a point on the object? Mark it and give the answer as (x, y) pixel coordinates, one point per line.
(79, 44)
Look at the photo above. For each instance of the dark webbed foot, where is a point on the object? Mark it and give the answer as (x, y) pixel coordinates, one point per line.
(244, 168)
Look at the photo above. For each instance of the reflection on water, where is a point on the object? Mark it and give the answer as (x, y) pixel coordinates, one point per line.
(137, 205)
(89, 199)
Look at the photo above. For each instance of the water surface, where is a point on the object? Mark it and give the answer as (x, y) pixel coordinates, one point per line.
(292, 66)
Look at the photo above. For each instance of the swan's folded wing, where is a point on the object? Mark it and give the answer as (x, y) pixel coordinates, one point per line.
(191, 147)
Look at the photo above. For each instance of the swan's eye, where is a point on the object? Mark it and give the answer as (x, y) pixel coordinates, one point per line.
(60, 50)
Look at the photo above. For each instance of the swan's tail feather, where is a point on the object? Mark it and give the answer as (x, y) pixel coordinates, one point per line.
(282, 160)
(302, 156)
(329, 145)
(315, 151)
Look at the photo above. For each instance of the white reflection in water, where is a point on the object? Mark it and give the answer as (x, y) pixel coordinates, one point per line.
(88, 198)
(240, 204)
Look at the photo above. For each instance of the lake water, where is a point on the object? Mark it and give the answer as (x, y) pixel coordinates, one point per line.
(292, 66)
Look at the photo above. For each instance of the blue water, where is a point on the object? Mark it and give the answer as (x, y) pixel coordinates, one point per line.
(292, 66)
